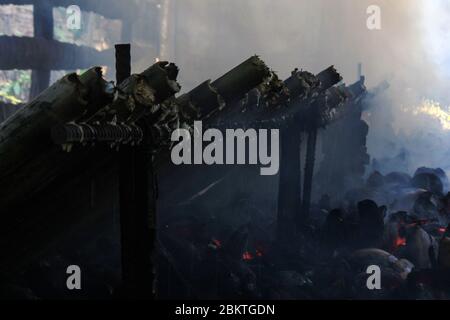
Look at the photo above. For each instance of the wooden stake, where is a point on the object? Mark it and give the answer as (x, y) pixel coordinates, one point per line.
(43, 29)
(137, 204)
(289, 192)
(309, 172)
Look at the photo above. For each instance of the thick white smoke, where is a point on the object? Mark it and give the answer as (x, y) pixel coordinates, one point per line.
(410, 51)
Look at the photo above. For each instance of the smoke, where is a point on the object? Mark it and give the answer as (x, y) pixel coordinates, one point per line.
(410, 51)
(409, 124)
(212, 36)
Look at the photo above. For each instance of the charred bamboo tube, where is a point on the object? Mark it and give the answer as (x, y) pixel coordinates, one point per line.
(139, 93)
(26, 133)
(28, 156)
(304, 88)
(300, 83)
(26, 150)
(336, 96)
(162, 77)
(329, 77)
(201, 102)
(209, 98)
(357, 89)
(234, 85)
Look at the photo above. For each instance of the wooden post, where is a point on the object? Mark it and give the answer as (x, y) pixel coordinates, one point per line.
(309, 172)
(137, 207)
(126, 179)
(289, 190)
(26, 53)
(145, 217)
(123, 62)
(43, 29)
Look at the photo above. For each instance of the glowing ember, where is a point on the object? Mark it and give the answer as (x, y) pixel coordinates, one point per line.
(217, 243)
(247, 256)
(400, 242)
